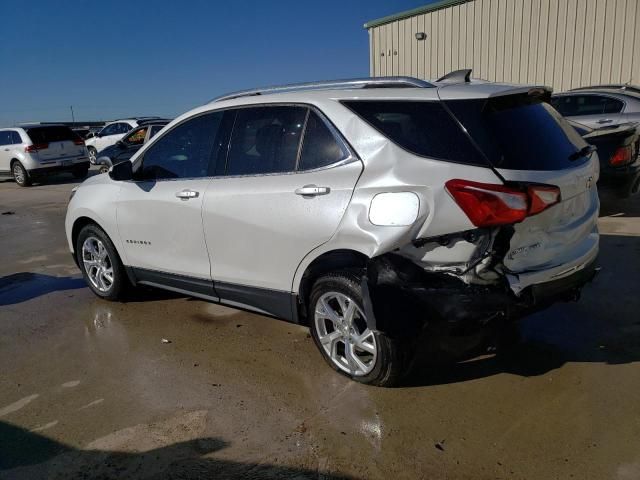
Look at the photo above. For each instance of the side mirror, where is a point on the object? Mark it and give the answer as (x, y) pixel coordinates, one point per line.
(122, 171)
(89, 135)
(121, 144)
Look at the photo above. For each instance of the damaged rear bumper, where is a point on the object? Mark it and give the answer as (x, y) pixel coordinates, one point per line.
(398, 295)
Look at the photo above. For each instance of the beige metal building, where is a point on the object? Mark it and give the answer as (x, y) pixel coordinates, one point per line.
(561, 43)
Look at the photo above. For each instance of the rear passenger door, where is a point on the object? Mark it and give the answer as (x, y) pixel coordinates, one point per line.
(288, 181)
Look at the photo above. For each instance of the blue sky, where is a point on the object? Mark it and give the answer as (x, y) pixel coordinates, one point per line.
(119, 58)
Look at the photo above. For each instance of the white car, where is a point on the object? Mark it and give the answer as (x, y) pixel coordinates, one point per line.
(29, 152)
(109, 135)
(374, 211)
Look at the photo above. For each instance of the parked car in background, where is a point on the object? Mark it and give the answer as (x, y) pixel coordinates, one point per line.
(375, 215)
(132, 142)
(32, 151)
(599, 106)
(110, 134)
(619, 153)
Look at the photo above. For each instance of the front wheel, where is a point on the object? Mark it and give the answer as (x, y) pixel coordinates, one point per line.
(100, 264)
(339, 329)
(20, 174)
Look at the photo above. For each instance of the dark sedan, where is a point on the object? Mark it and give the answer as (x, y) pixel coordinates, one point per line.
(129, 144)
(619, 152)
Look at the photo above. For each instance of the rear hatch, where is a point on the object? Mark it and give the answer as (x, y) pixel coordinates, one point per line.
(55, 144)
(527, 141)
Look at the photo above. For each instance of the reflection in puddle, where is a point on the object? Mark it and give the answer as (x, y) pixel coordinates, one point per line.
(103, 331)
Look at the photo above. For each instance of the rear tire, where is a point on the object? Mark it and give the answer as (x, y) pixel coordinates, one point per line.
(339, 329)
(93, 155)
(80, 172)
(100, 263)
(20, 174)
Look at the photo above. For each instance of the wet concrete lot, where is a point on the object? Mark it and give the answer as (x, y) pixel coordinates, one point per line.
(89, 390)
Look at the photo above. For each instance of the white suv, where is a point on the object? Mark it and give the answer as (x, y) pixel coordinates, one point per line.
(32, 151)
(109, 135)
(370, 210)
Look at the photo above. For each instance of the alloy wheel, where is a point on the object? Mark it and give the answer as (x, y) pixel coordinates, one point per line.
(18, 173)
(97, 264)
(343, 333)
(92, 156)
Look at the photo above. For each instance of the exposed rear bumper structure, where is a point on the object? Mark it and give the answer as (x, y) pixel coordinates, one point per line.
(399, 294)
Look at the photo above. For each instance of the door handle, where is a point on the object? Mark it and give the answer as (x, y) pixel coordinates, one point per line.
(605, 120)
(6, 149)
(186, 194)
(312, 191)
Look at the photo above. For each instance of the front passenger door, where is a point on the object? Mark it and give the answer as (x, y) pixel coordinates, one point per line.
(159, 213)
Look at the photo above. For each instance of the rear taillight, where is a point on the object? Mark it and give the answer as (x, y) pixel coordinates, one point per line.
(542, 197)
(621, 156)
(488, 204)
(35, 147)
(78, 141)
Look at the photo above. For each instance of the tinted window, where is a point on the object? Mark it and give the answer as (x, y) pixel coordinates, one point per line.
(51, 134)
(15, 138)
(423, 128)
(565, 105)
(5, 138)
(520, 132)
(573, 105)
(265, 140)
(611, 105)
(319, 147)
(155, 129)
(186, 151)
(109, 130)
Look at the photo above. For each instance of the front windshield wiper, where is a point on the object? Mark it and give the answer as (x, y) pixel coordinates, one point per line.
(583, 152)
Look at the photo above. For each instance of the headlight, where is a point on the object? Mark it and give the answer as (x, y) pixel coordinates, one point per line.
(73, 192)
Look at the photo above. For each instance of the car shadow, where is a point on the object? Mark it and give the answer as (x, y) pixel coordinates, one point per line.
(611, 205)
(26, 454)
(602, 327)
(24, 286)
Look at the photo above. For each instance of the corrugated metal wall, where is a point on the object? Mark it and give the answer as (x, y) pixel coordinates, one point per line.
(561, 43)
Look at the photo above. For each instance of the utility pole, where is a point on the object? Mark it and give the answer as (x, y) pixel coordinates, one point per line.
(73, 118)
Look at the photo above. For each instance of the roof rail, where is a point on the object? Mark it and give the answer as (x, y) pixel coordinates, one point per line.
(613, 86)
(367, 82)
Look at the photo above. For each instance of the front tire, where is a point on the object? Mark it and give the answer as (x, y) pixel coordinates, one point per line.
(100, 264)
(339, 329)
(20, 174)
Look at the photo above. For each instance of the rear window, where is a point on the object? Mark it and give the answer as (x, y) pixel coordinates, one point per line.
(423, 128)
(51, 134)
(520, 132)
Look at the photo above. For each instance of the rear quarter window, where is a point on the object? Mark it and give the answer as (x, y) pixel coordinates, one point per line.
(423, 128)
